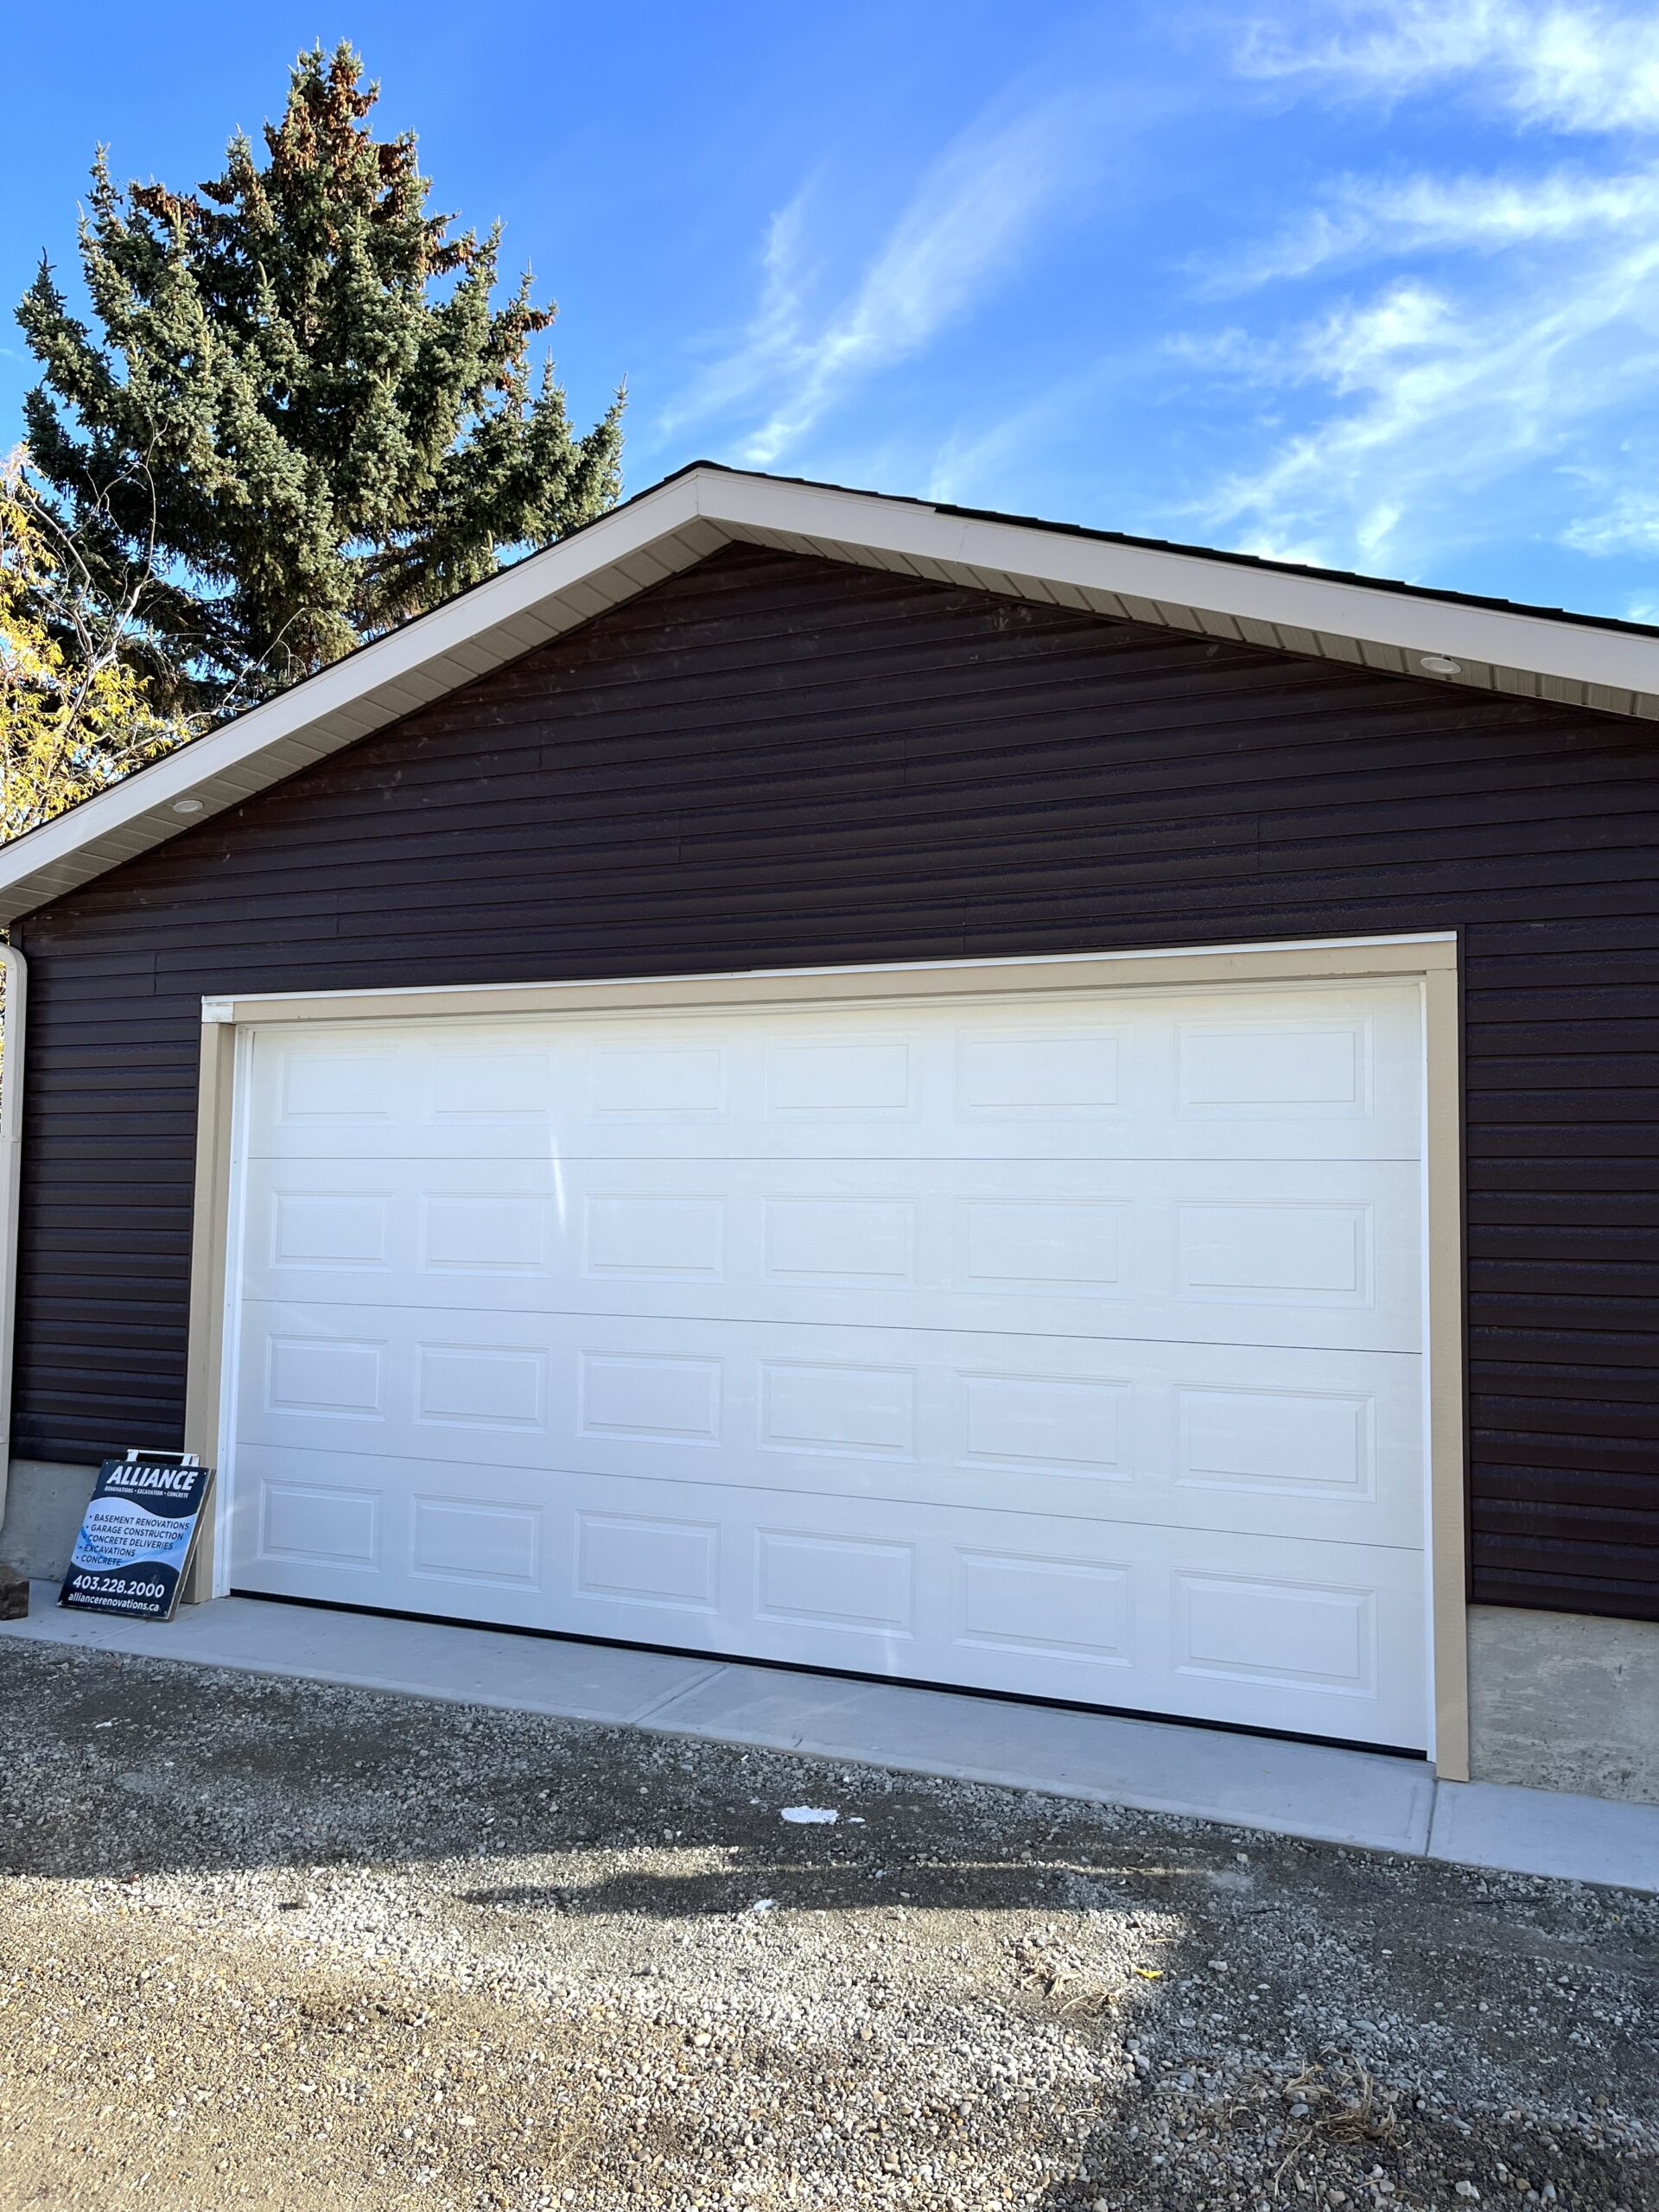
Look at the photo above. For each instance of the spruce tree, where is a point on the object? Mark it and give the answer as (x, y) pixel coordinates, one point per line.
(302, 404)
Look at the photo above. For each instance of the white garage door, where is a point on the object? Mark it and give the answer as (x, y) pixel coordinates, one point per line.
(1070, 1348)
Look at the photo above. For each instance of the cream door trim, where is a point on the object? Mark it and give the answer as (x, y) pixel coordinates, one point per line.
(1433, 959)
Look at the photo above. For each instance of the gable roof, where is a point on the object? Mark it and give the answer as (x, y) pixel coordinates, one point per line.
(1606, 666)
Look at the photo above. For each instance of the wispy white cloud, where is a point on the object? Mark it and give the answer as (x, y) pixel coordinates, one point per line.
(1629, 523)
(1366, 218)
(1501, 329)
(973, 214)
(986, 462)
(1434, 408)
(1550, 64)
(1348, 349)
(772, 332)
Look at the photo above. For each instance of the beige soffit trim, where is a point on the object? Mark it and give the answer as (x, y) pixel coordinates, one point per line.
(679, 523)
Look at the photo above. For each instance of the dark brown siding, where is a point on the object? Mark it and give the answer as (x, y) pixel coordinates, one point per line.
(772, 761)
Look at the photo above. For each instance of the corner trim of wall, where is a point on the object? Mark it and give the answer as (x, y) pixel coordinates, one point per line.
(13, 1033)
(1443, 1343)
(210, 1226)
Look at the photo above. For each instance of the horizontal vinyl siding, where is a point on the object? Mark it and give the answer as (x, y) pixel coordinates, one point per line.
(770, 761)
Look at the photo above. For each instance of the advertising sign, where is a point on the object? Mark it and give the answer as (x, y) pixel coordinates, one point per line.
(137, 1534)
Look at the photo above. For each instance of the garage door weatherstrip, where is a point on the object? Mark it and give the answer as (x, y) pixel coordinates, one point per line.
(1430, 961)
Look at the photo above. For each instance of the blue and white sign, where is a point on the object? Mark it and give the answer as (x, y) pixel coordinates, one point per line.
(137, 1535)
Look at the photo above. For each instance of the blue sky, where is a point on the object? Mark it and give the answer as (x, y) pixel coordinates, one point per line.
(1369, 284)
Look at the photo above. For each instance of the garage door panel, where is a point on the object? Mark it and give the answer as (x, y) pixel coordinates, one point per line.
(1294, 1443)
(1327, 1642)
(1309, 1073)
(1320, 1253)
(1068, 1346)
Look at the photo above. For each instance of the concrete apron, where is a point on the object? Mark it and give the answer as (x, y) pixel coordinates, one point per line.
(1368, 1800)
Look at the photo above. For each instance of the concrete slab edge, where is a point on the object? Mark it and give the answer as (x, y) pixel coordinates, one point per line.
(1605, 1841)
(48, 1623)
(1039, 1785)
(1494, 1826)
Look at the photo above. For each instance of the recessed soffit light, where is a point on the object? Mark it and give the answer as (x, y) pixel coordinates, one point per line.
(1437, 664)
(187, 806)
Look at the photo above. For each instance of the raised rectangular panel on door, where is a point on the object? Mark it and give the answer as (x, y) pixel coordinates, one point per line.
(1325, 1255)
(1311, 1072)
(1294, 1442)
(1071, 1348)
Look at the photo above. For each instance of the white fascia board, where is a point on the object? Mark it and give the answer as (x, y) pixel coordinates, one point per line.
(1412, 624)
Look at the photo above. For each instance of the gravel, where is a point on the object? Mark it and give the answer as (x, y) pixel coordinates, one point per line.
(310, 1946)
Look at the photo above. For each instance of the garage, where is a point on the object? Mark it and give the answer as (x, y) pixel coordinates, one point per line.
(832, 1080)
(1069, 1346)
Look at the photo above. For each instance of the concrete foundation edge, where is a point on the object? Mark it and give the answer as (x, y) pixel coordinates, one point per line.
(45, 1500)
(1565, 1701)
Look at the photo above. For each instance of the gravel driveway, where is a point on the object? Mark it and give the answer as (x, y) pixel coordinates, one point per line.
(327, 1948)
